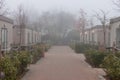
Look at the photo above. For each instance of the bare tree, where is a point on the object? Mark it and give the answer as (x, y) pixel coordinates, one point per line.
(20, 16)
(21, 19)
(117, 4)
(103, 20)
(56, 24)
(82, 23)
(91, 24)
(3, 9)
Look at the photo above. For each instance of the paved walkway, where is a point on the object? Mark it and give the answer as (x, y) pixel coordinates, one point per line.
(61, 63)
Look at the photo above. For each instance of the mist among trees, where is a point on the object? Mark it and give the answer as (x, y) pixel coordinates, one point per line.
(56, 26)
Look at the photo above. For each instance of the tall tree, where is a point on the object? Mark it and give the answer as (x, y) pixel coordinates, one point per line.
(3, 9)
(103, 19)
(20, 16)
(117, 4)
(21, 20)
(82, 23)
(57, 23)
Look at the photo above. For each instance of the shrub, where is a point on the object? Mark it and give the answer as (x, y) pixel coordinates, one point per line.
(72, 45)
(117, 54)
(82, 48)
(20, 60)
(8, 68)
(25, 59)
(16, 62)
(95, 57)
(47, 46)
(37, 53)
(111, 64)
(14, 58)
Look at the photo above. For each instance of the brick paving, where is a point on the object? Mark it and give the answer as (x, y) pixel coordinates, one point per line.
(61, 63)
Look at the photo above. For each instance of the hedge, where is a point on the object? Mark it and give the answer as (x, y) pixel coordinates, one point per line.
(15, 63)
(8, 68)
(109, 61)
(111, 65)
(82, 48)
(95, 57)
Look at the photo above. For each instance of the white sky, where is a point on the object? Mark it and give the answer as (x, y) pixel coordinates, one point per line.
(67, 5)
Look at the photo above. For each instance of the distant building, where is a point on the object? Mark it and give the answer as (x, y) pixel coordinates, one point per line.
(25, 36)
(115, 32)
(6, 33)
(95, 36)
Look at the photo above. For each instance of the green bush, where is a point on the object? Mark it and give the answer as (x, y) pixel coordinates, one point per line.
(8, 68)
(16, 62)
(20, 60)
(47, 46)
(111, 64)
(72, 45)
(37, 53)
(25, 59)
(95, 57)
(82, 48)
(44, 46)
(14, 65)
(117, 54)
(14, 58)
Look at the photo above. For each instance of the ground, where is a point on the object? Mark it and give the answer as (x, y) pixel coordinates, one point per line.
(61, 63)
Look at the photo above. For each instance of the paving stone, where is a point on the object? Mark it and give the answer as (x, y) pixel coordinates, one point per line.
(61, 63)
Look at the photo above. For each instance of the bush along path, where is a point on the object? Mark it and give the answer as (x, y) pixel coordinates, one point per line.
(106, 60)
(14, 64)
(61, 63)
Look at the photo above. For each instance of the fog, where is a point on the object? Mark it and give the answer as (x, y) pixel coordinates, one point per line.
(72, 6)
(56, 19)
(59, 39)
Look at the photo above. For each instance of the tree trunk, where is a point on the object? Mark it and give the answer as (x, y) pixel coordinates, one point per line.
(104, 34)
